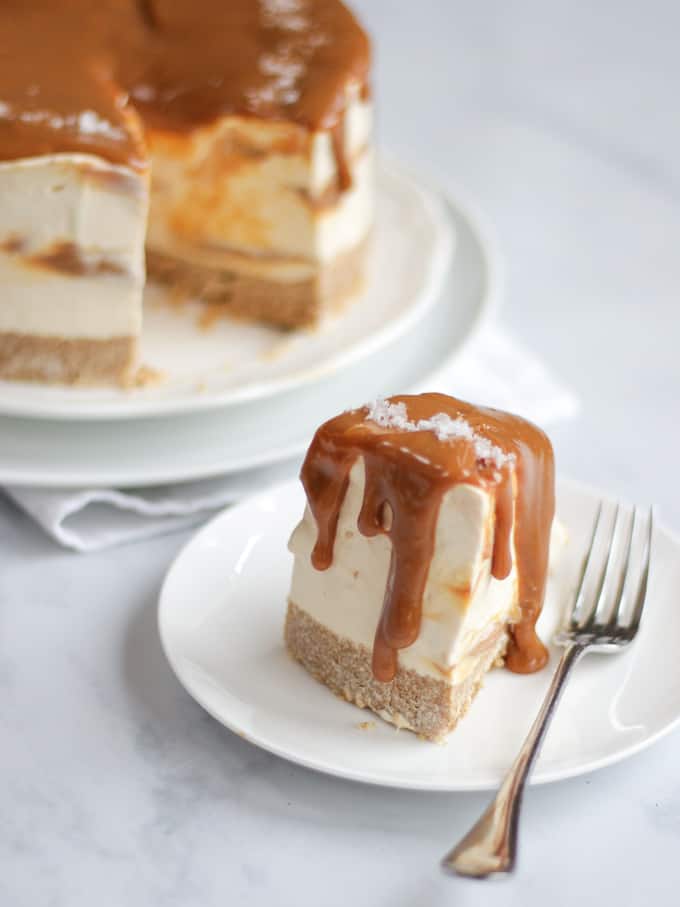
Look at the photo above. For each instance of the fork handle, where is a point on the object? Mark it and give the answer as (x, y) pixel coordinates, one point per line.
(491, 844)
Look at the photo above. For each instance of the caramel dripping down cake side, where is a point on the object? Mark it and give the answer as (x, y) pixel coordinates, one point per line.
(421, 559)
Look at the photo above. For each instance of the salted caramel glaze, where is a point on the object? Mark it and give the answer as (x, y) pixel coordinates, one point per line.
(88, 75)
(407, 474)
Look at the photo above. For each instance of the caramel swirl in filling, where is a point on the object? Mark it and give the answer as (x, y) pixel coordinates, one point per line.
(408, 470)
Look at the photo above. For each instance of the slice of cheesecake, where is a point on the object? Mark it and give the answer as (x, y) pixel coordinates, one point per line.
(253, 118)
(421, 559)
(74, 200)
(72, 279)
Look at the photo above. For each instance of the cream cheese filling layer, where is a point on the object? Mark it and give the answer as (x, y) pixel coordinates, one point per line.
(262, 190)
(53, 305)
(71, 247)
(337, 230)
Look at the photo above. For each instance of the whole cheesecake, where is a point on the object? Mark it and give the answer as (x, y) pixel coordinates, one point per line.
(421, 560)
(224, 144)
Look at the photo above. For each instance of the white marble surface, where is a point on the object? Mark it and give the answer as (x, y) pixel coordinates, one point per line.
(561, 119)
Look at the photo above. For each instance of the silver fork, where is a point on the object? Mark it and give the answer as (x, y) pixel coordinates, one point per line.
(595, 623)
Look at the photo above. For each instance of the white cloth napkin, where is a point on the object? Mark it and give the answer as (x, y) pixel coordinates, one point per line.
(493, 368)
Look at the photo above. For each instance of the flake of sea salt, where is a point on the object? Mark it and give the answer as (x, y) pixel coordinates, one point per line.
(395, 415)
(389, 415)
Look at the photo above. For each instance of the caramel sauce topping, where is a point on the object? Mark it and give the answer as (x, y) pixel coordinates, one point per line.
(81, 76)
(407, 475)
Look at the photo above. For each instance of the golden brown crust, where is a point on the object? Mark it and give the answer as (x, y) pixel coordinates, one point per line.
(57, 360)
(284, 304)
(428, 706)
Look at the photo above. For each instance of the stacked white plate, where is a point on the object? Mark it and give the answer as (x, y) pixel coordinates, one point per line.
(232, 397)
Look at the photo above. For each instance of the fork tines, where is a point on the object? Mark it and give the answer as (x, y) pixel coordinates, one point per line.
(614, 576)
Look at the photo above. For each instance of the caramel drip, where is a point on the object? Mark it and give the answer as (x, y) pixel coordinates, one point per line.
(406, 477)
(533, 521)
(344, 174)
(325, 479)
(501, 559)
(412, 502)
(172, 65)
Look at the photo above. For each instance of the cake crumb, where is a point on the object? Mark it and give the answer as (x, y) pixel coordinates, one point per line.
(438, 741)
(366, 725)
(277, 350)
(146, 376)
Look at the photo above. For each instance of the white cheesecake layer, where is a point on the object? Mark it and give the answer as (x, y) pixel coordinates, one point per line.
(462, 602)
(98, 211)
(260, 190)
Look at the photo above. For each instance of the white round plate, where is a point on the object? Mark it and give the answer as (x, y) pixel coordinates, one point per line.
(139, 452)
(232, 361)
(221, 618)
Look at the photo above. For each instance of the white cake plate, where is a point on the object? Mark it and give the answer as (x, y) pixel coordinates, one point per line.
(231, 362)
(128, 453)
(221, 617)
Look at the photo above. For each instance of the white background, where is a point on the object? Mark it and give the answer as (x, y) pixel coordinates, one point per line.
(561, 120)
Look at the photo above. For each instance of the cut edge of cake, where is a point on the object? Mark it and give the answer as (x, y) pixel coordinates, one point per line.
(428, 706)
(73, 278)
(251, 215)
(333, 614)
